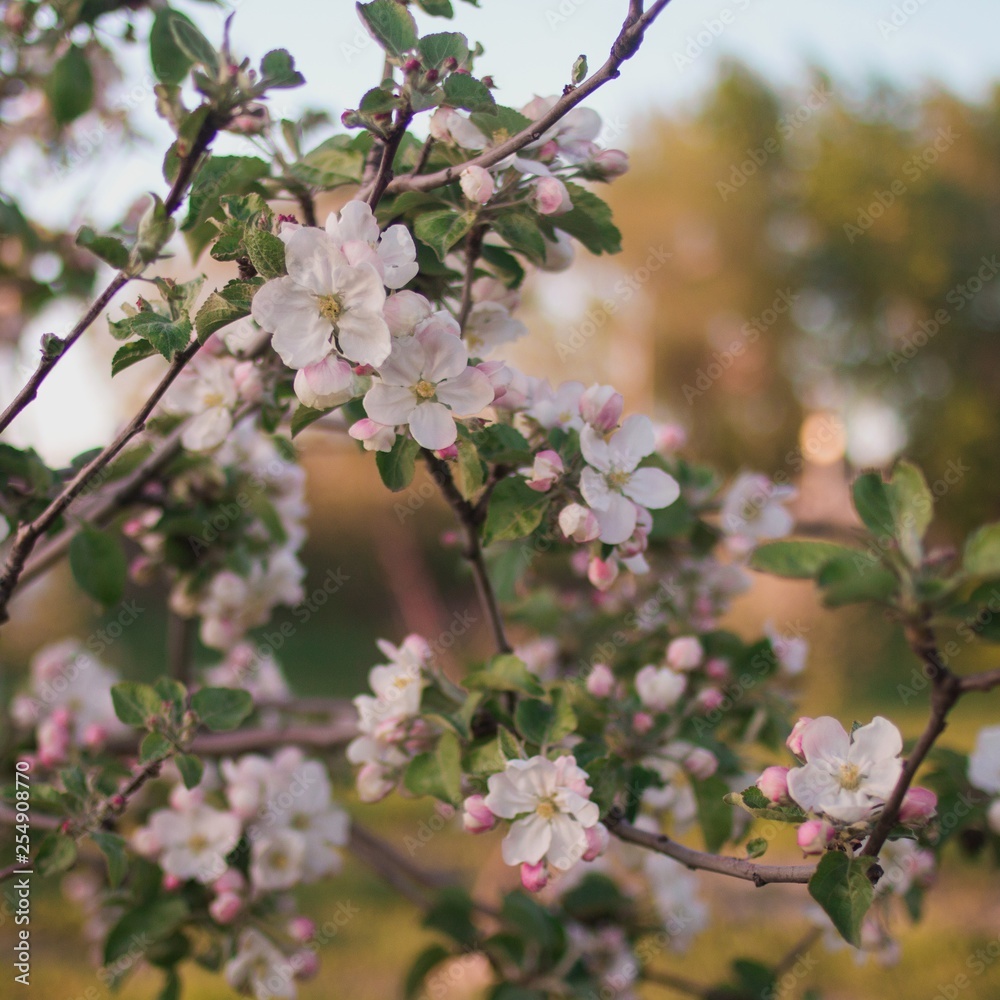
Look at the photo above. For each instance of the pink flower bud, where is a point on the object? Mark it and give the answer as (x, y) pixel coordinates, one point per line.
(301, 929)
(372, 783)
(598, 839)
(476, 815)
(477, 184)
(61, 717)
(815, 836)
(547, 469)
(773, 782)
(548, 151)
(601, 406)
(305, 964)
(450, 64)
(579, 523)
(685, 653)
(374, 436)
(411, 66)
(610, 163)
(701, 763)
(94, 736)
(448, 454)
(642, 722)
(225, 908)
(600, 681)
(551, 196)
(717, 669)
(918, 806)
(602, 574)
(534, 878)
(794, 741)
(171, 883)
(709, 699)
(669, 437)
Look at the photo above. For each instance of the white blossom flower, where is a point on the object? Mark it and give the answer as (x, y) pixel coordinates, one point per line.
(323, 304)
(489, 326)
(550, 804)
(572, 136)
(753, 509)
(356, 234)
(404, 310)
(277, 860)
(260, 969)
(559, 407)
(659, 688)
(984, 761)
(195, 840)
(325, 383)
(205, 391)
(242, 337)
(846, 778)
(447, 125)
(426, 383)
(613, 484)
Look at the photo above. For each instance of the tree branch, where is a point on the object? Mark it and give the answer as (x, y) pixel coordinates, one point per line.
(383, 175)
(980, 682)
(739, 868)
(473, 244)
(625, 46)
(29, 391)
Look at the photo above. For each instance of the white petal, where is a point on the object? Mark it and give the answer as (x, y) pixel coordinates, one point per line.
(617, 521)
(398, 254)
(364, 337)
(467, 394)
(824, 738)
(404, 310)
(432, 426)
(879, 740)
(595, 489)
(527, 841)
(389, 404)
(652, 488)
(208, 429)
(355, 222)
(310, 258)
(360, 288)
(405, 365)
(568, 842)
(633, 441)
(446, 354)
(595, 449)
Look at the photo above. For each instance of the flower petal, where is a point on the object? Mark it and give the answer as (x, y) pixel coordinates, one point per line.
(652, 488)
(355, 222)
(595, 449)
(527, 841)
(823, 738)
(364, 337)
(595, 489)
(877, 741)
(398, 254)
(432, 426)
(466, 394)
(617, 521)
(447, 355)
(389, 404)
(632, 442)
(310, 257)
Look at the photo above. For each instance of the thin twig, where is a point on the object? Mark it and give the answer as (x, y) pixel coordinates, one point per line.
(29, 391)
(28, 534)
(383, 175)
(625, 46)
(180, 646)
(473, 245)
(739, 868)
(980, 682)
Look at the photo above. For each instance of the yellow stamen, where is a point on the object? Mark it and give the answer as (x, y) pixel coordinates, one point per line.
(329, 307)
(425, 390)
(546, 809)
(850, 777)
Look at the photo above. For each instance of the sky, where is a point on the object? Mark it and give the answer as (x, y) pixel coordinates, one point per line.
(530, 48)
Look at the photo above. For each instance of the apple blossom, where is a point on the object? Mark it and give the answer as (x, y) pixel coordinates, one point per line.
(598, 841)
(600, 681)
(534, 877)
(572, 136)
(791, 650)
(613, 484)
(489, 326)
(551, 196)
(984, 761)
(325, 383)
(608, 164)
(675, 894)
(301, 929)
(918, 806)
(447, 125)
(773, 782)
(753, 509)
(602, 573)
(476, 815)
(205, 391)
(846, 778)
(559, 407)
(260, 969)
(814, 836)
(601, 406)
(477, 184)
(225, 907)
(659, 688)
(701, 763)
(194, 842)
(277, 860)
(794, 741)
(373, 435)
(685, 653)
(426, 383)
(393, 254)
(549, 802)
(642, 723)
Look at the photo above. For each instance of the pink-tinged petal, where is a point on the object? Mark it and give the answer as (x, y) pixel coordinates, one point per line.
(878, 740)
(360, 288)
(467, 394)
(355, 222)
(447, 355)
(405, 365)
(310, 258)
(823, 738)
(617, 521)
(440, 322)
(507, 798)
(595, 489)
(329, 382)
(364, 337)
(652, 488)
(398, 255)
(595, 449)
(527, 841)
(404, 310)
(633, 441)
(579, 523)
(305, 343)
(433, 426)
(389, 404)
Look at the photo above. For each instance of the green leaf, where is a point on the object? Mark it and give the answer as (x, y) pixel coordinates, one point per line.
(852, 579)
(98, 564)
(306, 415)
(170, 62)
(110, 249)
(715, 815)
(505, 265)
(515, 510)
(437, 8)
(144, 926)
(872, 503)
(423, 776)
(589, 220)
(533, 718)
(57, 853)
(428, 959)
(462, 91)
(911, 504)
(220, 709)
(191, 768)
(441, 230)
(134, 703)
(505, 672)
(266, 253)
(391, 25)
(469, 474)
(841, 886)
(172, 691)
(796, 560)
(435, 48)
(449, 755)
(981, 557)
(757, 847)
(194, 44)
(168, 336)
(521, 232)
(579, 69)
(500, 123)
(396, 467)
(501, 443)
(278, 72)
(113, 848)
(330, 164)
(155, 746)
(70, 86)
(130, 353)
(216, 313)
